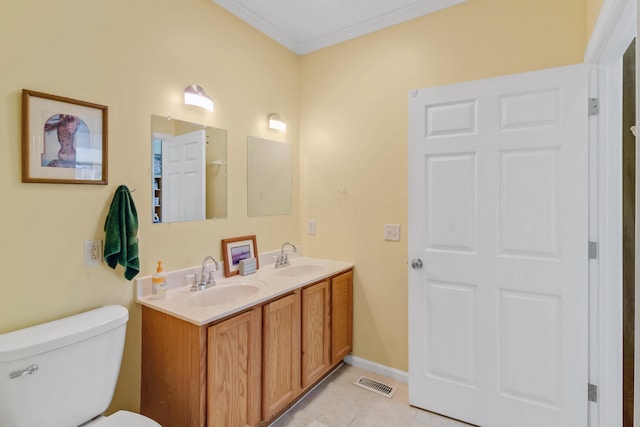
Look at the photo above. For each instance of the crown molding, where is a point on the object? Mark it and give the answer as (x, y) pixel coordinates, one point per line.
(358, 29)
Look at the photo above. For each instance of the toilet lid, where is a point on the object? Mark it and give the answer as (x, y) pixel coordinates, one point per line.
(126, 419)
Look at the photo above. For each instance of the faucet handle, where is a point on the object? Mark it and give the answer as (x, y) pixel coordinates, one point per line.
(210, 279)
(194, 281)
(282, 260)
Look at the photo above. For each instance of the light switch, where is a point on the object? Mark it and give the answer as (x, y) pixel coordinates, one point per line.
(392, 232)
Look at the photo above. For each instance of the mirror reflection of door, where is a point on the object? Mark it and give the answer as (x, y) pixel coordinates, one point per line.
(183, 174)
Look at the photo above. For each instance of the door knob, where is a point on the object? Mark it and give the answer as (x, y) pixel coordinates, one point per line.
(416, 264)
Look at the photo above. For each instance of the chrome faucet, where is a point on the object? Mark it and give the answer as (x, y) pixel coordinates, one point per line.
(283, 259)
(206, 279)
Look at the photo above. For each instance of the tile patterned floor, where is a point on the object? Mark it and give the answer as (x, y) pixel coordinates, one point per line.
(338, 403)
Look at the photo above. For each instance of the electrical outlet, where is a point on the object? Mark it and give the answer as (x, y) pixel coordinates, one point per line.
(92, 252)
(392, 232)
(311, 227)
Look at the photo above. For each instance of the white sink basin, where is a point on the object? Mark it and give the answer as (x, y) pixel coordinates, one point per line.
(299, 270)
(225, 293)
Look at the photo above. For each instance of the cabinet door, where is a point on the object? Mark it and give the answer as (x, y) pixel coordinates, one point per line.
(315, 332)
(341, 316)
(281, 354)
(233, 386)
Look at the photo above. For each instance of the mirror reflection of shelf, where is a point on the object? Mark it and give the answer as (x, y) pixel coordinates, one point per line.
(157, 199)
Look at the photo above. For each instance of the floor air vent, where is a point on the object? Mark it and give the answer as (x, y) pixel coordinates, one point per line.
(376, 386)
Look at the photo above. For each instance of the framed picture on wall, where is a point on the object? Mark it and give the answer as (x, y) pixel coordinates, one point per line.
(235, 250)
(64, 140)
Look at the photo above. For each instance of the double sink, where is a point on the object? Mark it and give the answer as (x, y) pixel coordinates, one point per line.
(235, 293)
(232, 290)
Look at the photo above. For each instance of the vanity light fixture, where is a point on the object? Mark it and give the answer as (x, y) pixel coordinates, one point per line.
(276, 123)
(195, 95)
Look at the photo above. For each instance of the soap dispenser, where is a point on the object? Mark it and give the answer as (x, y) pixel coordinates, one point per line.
(158, 283)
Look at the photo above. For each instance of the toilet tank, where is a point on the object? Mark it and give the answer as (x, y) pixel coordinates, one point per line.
(69, 369)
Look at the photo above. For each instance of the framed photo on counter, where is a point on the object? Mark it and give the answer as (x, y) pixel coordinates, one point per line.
(235, 250)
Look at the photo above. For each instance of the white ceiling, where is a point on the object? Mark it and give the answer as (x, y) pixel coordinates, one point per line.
(307, 25)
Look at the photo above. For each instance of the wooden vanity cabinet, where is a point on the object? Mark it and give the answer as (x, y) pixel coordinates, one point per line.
(280, 354)
(248, 368)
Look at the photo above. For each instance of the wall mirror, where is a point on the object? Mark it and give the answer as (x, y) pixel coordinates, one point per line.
(189, 171)
(268, 177)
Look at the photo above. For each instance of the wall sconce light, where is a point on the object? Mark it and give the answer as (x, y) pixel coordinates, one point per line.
(195, 95)
(276, 123)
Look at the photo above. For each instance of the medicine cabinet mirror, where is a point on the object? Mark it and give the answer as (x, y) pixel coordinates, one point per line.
(268, 177)
(189, 171)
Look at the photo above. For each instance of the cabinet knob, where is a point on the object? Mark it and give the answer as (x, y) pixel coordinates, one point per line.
(416, 264)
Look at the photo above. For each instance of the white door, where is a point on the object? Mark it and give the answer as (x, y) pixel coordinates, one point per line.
(183, 177)
(498, 175)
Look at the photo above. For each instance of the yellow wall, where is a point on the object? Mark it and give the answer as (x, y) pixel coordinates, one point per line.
(593, 10)
(353, 135)
(136, 58)
(347, 104)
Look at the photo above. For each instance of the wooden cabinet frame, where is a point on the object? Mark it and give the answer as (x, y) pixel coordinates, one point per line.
(174, 375)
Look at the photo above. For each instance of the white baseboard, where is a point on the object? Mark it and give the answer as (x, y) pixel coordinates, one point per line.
(377, 368)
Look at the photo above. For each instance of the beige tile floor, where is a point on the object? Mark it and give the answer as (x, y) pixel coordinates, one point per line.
(338, 403)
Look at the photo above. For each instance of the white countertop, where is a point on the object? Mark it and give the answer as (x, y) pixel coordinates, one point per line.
(271, 282)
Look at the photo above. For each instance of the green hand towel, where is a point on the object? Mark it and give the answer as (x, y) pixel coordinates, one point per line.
(121, 227)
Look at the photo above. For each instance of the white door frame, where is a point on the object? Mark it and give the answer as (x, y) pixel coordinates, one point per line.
(614, 30)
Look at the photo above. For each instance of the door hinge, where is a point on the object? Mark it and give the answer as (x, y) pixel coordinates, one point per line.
(593, 250)
(594, 106)
(592, 393)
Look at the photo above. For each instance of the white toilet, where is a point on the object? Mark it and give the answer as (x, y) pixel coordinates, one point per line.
(63, 373)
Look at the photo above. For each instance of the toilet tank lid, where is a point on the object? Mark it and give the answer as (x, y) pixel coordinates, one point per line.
(48, 336)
